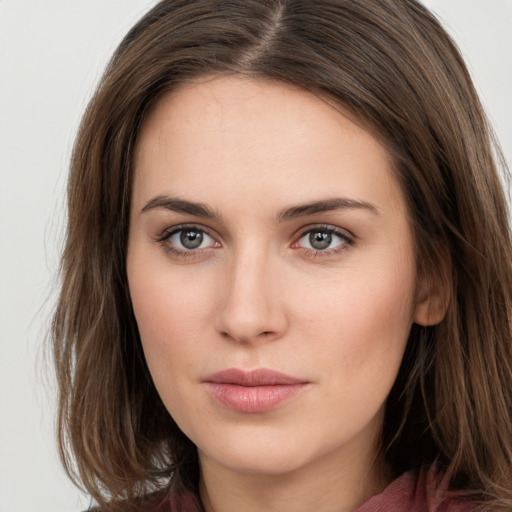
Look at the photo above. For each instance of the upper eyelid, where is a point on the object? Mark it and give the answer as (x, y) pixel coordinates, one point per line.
(325, 227)
(167, 232)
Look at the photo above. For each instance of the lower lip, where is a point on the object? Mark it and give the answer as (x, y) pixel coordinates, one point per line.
(253, 399)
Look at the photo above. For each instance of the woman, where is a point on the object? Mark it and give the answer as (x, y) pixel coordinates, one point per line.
(287, 278)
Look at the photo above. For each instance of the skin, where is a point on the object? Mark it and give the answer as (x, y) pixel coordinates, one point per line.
(257, 294)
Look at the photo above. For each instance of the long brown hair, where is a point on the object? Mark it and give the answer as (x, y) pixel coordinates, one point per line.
(390, 64)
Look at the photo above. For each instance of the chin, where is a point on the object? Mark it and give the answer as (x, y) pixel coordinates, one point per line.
(260, 462)
(263, 452)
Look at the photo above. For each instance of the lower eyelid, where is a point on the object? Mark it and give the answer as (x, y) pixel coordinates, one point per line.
(185, 257)
(318, 255)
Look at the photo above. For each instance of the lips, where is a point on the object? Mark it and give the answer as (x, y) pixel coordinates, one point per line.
(253, 391)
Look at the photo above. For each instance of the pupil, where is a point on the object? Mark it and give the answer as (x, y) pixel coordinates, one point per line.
(320, 240)
(191, 239)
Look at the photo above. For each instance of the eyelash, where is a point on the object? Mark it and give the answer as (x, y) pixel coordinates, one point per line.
(347, 240)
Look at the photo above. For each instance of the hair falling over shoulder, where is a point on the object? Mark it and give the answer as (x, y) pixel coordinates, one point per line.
(393, 67)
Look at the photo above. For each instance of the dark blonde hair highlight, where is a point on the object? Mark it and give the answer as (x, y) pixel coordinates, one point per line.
(391, 65)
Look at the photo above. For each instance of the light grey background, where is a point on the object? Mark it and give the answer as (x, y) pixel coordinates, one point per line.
(52, 53)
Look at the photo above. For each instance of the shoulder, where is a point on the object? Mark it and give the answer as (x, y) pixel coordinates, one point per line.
(161, 501)
(155, 502)
(423, 491)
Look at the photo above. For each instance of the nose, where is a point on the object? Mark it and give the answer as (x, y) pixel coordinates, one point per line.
(252, 308)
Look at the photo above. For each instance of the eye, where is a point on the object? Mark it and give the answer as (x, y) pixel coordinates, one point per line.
(187, 239)
(324, 239)
(190, 239)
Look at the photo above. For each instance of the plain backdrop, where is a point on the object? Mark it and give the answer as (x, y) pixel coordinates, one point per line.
(51, 55)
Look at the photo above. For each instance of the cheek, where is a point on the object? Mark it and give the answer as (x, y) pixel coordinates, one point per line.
(362, 323)
(360, 341)
(173, 306)
(168, 308)
(164, 311)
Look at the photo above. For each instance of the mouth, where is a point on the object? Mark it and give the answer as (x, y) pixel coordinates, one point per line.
(253, 391)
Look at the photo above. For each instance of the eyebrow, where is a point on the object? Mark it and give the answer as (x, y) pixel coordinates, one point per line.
(202, 210)
(327, 205)
(177, 205)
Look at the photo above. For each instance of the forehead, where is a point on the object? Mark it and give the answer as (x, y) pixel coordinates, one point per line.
(230, 136)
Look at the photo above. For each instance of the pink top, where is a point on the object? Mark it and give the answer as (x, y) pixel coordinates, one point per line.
(425, 493)
(422, 494)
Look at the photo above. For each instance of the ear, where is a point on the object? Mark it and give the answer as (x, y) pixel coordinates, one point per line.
(432, 298)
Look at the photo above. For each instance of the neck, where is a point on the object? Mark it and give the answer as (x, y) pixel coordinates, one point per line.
(335, 482)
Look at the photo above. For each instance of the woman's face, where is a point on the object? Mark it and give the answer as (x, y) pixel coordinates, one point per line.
(271, 269)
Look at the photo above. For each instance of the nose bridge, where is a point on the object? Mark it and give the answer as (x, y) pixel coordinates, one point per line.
(251, 307)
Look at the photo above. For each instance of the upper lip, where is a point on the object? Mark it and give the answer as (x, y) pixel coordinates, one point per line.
(250, 378)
